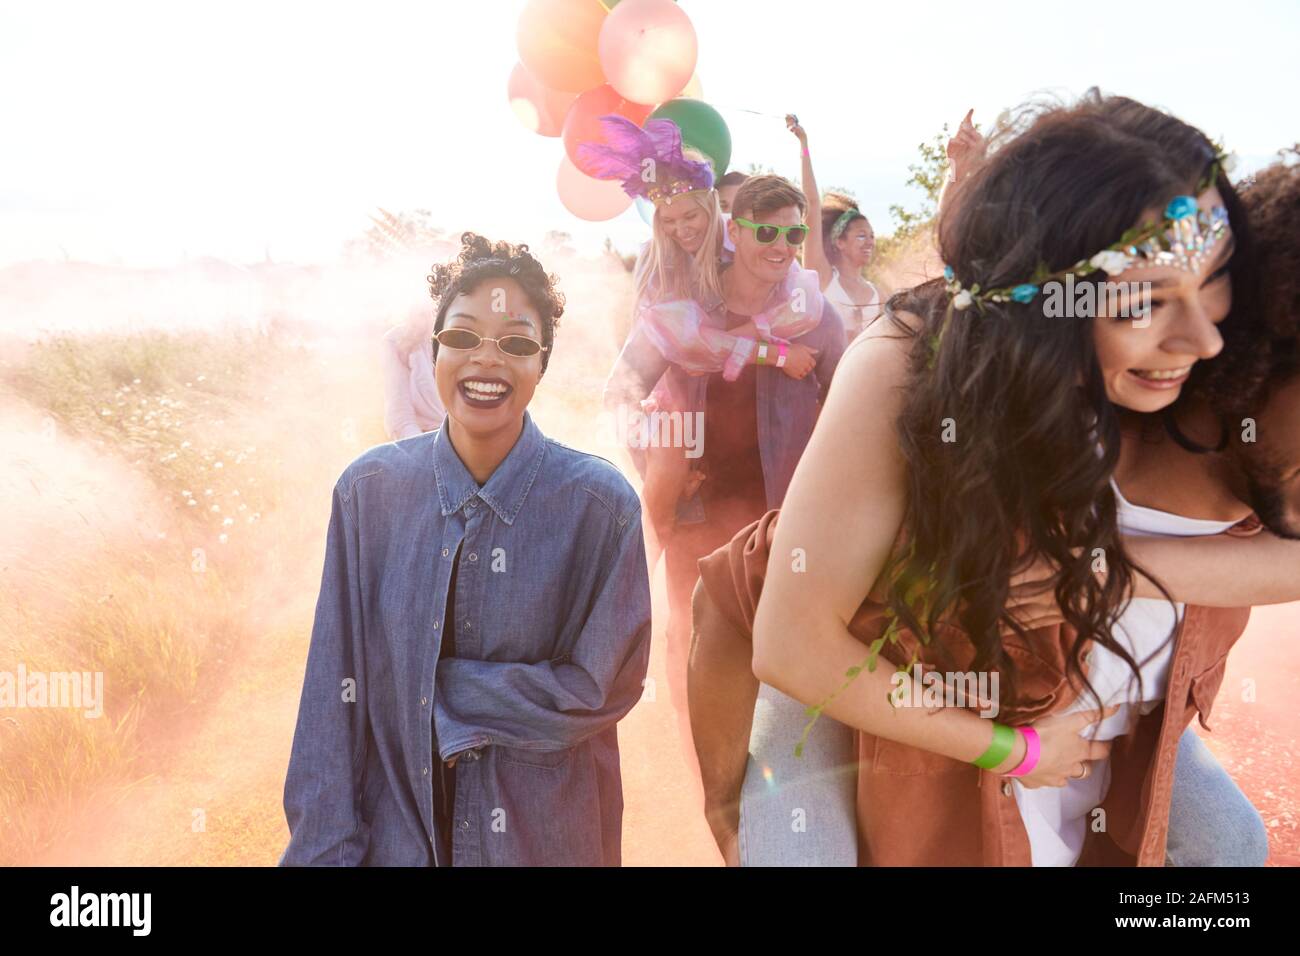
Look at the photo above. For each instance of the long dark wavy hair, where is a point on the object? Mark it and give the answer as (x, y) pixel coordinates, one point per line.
(1037, 440)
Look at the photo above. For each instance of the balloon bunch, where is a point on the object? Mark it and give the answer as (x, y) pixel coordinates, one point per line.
(584, 59)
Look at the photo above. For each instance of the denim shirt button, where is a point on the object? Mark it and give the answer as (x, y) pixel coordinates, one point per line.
(473, 555)
(444, 552)
(464, 824)
(425, 772)
(424, 701)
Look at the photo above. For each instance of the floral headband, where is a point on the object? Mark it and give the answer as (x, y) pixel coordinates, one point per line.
(1184, 239)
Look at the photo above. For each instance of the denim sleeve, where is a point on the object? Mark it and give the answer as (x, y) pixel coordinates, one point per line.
(557, 704)
(322, 790)
(833, 343)
(638, 368)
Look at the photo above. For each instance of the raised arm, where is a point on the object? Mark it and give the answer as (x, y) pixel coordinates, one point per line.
(814, 255)
(554, 705)
(965, 150)
(322, 789)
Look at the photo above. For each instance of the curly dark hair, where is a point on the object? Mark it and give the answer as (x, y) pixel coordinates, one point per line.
(1025, 478)
(479, 260)
(1272, 199)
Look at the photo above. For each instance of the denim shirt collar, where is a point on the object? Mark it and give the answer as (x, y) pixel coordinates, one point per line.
(506, 488)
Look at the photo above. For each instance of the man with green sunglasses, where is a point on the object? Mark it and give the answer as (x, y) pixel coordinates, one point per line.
(766, 233)
(756, 425)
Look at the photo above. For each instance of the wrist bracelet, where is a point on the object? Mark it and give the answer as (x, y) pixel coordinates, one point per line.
(1004, 741)
(1033, 750)
(782, 352)
(762, 353)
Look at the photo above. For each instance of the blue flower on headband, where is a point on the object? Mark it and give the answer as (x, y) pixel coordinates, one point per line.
(1024, 292)
(1180, 207)
(948, 273)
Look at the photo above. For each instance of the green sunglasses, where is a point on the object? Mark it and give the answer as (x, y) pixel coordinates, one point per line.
(766, 233)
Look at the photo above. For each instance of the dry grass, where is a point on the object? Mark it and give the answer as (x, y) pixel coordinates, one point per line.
(157, 603)
(172, 492)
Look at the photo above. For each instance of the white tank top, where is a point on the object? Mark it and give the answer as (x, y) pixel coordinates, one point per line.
(1057, 818)
(855, 317)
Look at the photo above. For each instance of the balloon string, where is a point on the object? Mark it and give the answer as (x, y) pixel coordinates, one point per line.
(741, 109)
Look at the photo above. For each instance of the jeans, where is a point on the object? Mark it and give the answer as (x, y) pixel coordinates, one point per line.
(802, 811)
(798, 811)
(1211, 822)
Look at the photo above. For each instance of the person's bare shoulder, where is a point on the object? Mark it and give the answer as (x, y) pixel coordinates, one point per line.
(882, 350)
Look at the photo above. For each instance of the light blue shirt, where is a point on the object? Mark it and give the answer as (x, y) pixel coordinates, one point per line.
(552, 618)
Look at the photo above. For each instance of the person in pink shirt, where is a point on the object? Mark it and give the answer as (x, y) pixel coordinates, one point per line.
(411, 403)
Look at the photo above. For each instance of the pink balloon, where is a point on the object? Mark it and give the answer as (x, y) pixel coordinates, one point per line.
(648, 50)
(539, 108)
(582, 123)
(594, 200)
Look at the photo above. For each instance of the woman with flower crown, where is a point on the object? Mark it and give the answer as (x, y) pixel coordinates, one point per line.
(973, 524)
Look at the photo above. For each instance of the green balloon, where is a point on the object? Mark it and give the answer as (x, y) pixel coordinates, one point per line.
(702, 128)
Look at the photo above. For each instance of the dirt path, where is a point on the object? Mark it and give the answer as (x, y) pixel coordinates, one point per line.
(213, 785)
(231, 767)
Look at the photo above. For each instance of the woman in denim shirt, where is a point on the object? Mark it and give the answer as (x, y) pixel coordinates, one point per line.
(483, 621)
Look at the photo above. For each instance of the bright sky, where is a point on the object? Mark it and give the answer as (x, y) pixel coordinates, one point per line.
(143, 132)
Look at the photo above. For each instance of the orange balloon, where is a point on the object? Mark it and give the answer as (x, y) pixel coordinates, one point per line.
(648, 50)
(594, 200)
(582, 125)
(557, 42)
(540, 109)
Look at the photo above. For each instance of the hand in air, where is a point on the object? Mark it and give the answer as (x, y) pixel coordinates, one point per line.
(792, 124)
(966, 148)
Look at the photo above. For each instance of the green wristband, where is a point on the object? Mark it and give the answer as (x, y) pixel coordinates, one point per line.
(762, 353)
(1004, 741)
